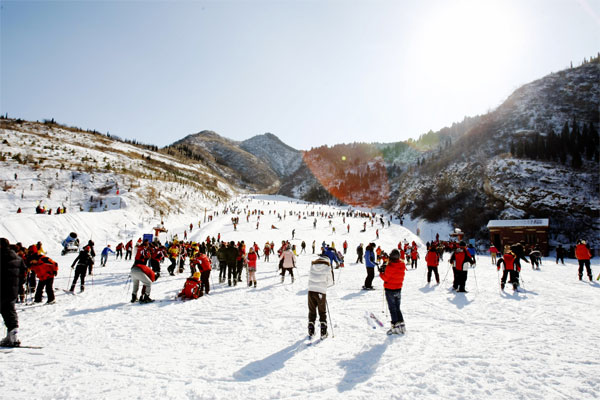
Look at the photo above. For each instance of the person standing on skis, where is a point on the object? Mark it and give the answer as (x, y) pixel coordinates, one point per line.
(459, 258)
(508, 260)
(392, 275)
(83, 261)
(319, 279)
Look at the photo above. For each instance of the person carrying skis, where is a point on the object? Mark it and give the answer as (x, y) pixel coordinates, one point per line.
(83, 262)
(252, 258)
(12, 276)
(508, 260)
(433, 260)
(104, 255)
(191, 287)
(370, 264)
(583, 255)
(392, 275)
(459, 258)
(142, 273)
(319, 279)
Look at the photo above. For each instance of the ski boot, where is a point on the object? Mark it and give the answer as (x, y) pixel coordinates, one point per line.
(323, 330)
(82, 289)
(255, 284)
(72, 290)
(311, 329)
(11, 339)
(133, 298)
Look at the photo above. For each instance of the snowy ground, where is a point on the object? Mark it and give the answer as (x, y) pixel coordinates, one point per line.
(241, 342)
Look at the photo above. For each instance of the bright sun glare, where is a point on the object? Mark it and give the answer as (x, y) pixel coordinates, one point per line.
(468, 41)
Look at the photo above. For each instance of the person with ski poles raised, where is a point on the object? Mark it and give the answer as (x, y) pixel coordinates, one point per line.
(319, 279)
(392, 275)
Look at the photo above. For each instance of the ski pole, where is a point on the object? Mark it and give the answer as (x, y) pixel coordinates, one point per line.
(476, 285)
(499, 283)
(127, 284)
(69, 279)
(445, 276)
(330, 320)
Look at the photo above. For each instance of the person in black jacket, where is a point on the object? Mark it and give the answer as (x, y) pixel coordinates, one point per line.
(12, 274)
(84, 262)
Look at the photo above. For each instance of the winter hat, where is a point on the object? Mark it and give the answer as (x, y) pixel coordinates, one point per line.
(196, 275)
(394, 255)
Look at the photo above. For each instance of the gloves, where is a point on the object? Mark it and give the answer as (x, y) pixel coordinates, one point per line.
(498, 268)
(55, 273)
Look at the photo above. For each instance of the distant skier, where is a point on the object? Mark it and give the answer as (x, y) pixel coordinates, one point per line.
(104, 255)
(252, 259)
(128, 250)
(583, 255)
(370, 264)
(560, 254)
(459, 258)
(319, 279)
(392, 275)
(433, 260)
(359, 253)
(289, 263)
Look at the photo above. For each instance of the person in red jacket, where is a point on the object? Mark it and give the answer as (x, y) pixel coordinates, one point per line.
(583, 255)
(204, 267)
(393, 278)
(142, 273)
(46, 269)
(128, 250)
(493, 253)
(252, 258)
(191, 288)
(414, 256)
(510, 267)
(433, 260)
(459, 258)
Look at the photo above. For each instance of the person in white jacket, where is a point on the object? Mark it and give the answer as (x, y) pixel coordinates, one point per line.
(289, 262)
(319, 279)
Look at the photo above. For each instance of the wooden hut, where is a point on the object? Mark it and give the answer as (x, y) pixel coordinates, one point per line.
(531, 232)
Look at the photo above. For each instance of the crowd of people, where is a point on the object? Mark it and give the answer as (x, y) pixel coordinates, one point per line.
(30, 271)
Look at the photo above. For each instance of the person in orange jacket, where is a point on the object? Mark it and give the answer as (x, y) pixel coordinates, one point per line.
(393, 278)
(583, 255)
(252, 258)
(433, 260)
(46, 269)
(204, 267)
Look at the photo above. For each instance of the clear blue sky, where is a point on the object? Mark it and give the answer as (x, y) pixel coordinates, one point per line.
(311, 72)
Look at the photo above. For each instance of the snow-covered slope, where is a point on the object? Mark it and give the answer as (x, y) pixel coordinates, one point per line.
(247, 343)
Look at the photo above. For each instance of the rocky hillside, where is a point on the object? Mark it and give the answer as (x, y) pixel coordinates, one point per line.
(281, 158)
(536, 155)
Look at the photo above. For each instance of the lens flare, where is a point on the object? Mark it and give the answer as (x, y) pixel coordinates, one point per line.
(358, 178)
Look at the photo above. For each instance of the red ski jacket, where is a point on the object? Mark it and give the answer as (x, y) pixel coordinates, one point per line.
(252, 260)
(147, 270)
(508, 260)
(432, 258)
(582, 252)
(460, 257)
(191, 289)
(44, 267)
(393, 277)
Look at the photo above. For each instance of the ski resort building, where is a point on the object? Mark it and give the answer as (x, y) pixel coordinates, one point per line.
(531, 232)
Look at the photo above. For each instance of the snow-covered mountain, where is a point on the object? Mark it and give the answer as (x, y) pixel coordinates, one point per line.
(283, 159)
(536, 155)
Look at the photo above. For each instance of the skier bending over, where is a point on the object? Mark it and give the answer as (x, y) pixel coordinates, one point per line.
(319, 279)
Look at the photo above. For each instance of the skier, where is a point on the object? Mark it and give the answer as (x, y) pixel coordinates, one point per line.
(128, 250)
(46, 269)
(508, 260)
(303, 247)
(119, 249)
(392, 275)
(92, 255)
(433, 260)
(83, 262)
(459, 258)
(535, 256)
(345, 246)
(104, 255)
(12, 276)
(252, 258)
(204, 266)
(493, 252)
(560, 254)
(319, 279)
(231, 255)
(583, 255)
(289, 262)
(370, 264)
(222, 257)
(359, 253)
(142, 273)
(414, 256)
(173, 254)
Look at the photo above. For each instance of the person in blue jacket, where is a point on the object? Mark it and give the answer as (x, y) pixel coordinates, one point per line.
(104, 255)
(331, 254)
(370, 264)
